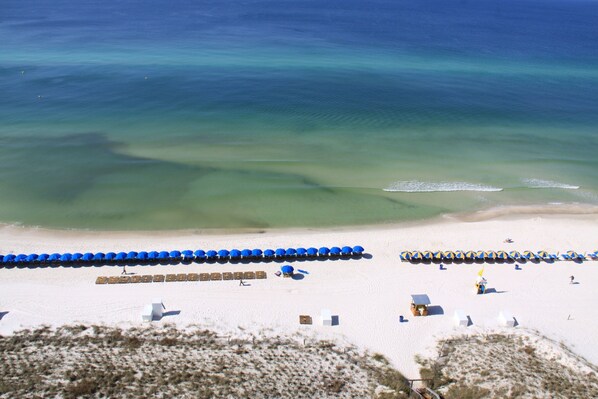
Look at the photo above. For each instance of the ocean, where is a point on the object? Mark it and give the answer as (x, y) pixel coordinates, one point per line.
(154, 115)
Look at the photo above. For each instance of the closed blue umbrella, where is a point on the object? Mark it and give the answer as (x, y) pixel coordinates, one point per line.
(99, 256)
(120, 256)
(268, 253)
(153, 255)
(223, 254)
(31, 258)
(280, 252)
(256, 252)
(110, 256)
(212, 254)
(301, 251)
(163, 255)
(287, 269)
(131, 255)
(43, 257)
(246, 253)
(235, 253)
(187, 254)
(358, 249)
(53, 258)
(290, 252)
(65, 257)
(87, 256)
(175, 254)
(346, 250)
(311, 251)
(142, 255)
(200, 254)
(335, 251)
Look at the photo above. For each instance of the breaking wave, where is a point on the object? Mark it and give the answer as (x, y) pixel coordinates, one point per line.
(415, 186)
(539, 183)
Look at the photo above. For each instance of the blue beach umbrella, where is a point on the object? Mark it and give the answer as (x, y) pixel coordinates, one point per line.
(1, 258)
(256, 253)
(163, 255)
(427, 255)
(323, 251)
(20, 258)
(211, 254)
(480, 254)
(66, 257)
(142, 255)
(120, 256)
(31, 258)
(268, 253)
(301, 251)
(287, 269)
(246, 253)
(175, 254)
(448, 255)
(87, 256)
(187, 254)
(311, 251)
(280, 252)
(358, 250)
(99, 256)
(335, 251)
(9, 258)
(514, 255)
(199, 254)
(110, 256)
(405, 255)
(235, 253)
(77, 257)
(153, 255)
(290, 252)
(416, 255)
(346, 250)
(43, 257)
(223, 254)
(131, 255)
(53, 258)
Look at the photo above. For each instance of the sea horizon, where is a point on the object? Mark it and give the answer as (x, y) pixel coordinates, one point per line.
(284, 115)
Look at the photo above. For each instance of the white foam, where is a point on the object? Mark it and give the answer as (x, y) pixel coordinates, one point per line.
(539, 183)
(415, 186)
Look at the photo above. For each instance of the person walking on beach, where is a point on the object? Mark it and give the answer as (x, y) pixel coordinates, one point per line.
(124, 270)
(241, 283)
(572, 278)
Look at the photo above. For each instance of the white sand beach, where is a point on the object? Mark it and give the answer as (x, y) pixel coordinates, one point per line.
(368, 294)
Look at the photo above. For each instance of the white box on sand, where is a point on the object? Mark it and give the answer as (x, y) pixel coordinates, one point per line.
(326, 316)
(460, 318)
(505, 318)
(147, 314)
(157, 308)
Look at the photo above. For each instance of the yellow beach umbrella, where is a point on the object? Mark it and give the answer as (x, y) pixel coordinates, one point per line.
(502, 255)
(572, 254)
(514, 255)
(490, 255)
(543, 254)
(480, 254)
(470, 254)
(427, 255)
(529, 255)
(416, 255)
(459, 255)
(438, 255)
(405, 255)
(450, 255)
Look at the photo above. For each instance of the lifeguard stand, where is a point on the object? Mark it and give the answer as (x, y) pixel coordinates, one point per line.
(419, 304)
(480, 285)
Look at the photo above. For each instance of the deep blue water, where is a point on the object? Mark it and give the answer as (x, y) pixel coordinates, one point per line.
(151, 114)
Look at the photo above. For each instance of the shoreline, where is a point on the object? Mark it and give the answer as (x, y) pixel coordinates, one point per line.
(367, 294)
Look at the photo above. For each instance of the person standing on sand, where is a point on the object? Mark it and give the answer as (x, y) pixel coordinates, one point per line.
(241, 282)
(572, 278)
(124, 270)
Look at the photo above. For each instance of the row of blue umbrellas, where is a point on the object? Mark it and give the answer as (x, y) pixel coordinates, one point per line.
(415, 256)
(186, 255)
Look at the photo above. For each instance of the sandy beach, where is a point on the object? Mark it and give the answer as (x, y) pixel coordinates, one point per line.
(368, 294)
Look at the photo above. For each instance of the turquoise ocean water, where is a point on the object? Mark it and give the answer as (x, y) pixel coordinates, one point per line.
(208, 114)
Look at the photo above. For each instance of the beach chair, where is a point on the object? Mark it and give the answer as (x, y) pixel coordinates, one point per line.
(204, 277)
(158, 278)
(124, 279)
(249, 275)
(146, 279)
(260, 275)
(305, 319)
(238, 275)
(181, 277)
(193, 277)
(215, 276)
(227, 276)
(102, 280)
(170, 278)
(112, 280)
(135, 279)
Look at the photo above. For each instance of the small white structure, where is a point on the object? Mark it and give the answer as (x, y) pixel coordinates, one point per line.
(505, 318)
(157, 308)
(147, 314)
(326, 317)
(460, 318)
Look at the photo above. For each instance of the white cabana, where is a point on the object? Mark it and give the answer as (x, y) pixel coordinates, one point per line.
(157, 308)
(147, 313)
(326, 317)
(505, 318)
(460, 318)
